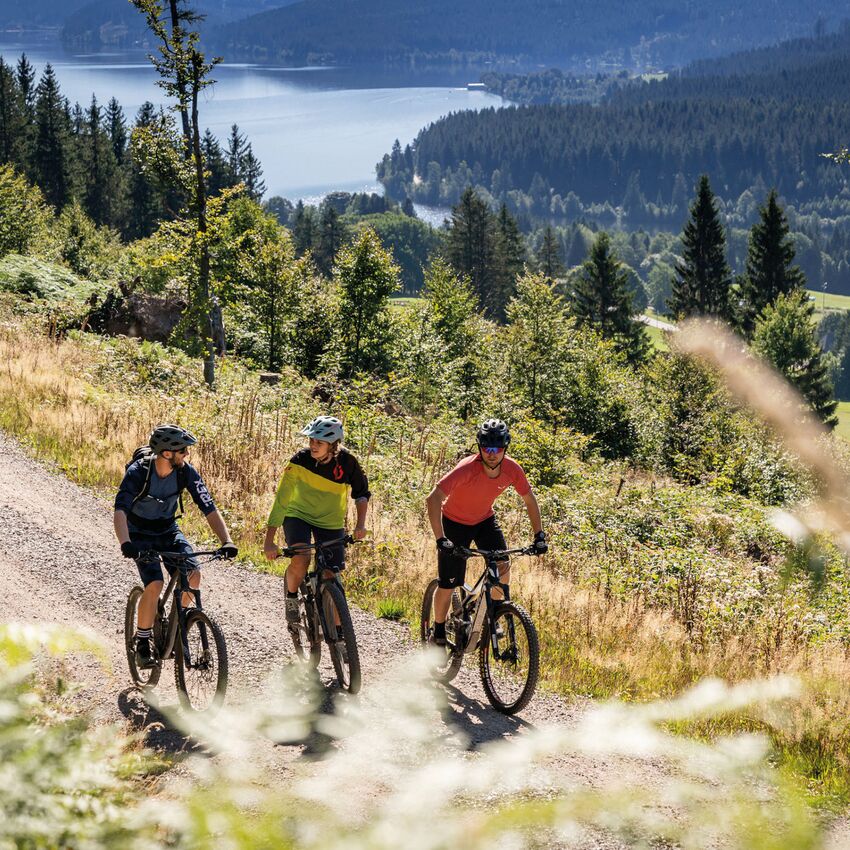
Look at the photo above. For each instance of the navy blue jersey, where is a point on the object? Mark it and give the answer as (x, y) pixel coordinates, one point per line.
(157, 510)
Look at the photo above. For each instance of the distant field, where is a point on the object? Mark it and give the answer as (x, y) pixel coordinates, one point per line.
(829, 301)
(843, 427)
(405, 301)
(658, 338)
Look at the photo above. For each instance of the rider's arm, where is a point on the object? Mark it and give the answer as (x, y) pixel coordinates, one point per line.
(216, 521)
(434, 504)
(533, 511)
(360, 493)
(119, 521)
(201, 496)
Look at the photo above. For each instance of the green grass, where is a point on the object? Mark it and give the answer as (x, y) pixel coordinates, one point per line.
(843, 427)
(658, 338)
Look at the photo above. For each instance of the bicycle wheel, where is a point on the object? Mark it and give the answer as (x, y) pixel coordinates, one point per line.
(445, 670)
(305, 634)
(342, 642)
(509, 674)
(200, 663)
(141, 678)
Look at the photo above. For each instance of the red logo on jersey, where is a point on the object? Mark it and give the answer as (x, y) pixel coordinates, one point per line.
(338, 472)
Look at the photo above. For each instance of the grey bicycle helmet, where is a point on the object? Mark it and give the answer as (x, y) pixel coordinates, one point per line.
(327, 428)
(170, 438)
(493, 433)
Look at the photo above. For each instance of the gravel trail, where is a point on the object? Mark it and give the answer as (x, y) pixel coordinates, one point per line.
(60, 563)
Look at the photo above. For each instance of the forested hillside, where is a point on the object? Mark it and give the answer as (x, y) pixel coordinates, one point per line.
(566, 33)
(117, 24)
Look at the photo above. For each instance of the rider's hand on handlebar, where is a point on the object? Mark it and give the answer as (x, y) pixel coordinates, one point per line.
(271, 552)
(540, 546)
(228, 550)
(130, 550)
(360, 532)
(445, 545)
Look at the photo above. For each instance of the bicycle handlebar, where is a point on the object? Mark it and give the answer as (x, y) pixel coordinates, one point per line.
(301, 548)
(179, 556)
(495, 554)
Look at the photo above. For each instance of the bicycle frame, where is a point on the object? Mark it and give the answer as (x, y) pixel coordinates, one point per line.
(478, 600)
(314, 579)
(176, 593)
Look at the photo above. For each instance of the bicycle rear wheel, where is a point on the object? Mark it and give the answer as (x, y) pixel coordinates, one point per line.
(509, 673)
(341, 639)
(200, 663)
(446, 669)
(305, 634)
(141, 678)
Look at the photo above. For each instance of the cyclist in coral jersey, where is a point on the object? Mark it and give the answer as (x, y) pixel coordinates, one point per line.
(460, 509)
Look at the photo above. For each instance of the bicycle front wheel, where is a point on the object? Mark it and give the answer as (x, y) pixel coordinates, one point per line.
(141, 678)
(200, 663)
(509, 670)
(305, 633)
(342, 642)
(446, 667)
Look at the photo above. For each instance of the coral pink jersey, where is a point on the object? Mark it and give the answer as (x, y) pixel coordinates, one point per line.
(471, 492)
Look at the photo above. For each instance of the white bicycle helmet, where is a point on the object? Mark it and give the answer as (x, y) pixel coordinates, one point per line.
(327, 428)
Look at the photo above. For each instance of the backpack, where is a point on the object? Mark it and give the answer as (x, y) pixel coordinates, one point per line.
(146, 456)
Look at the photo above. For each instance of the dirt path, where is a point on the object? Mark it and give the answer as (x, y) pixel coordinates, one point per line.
(59, 562)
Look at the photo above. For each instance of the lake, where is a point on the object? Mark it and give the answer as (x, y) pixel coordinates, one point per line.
(315, 130)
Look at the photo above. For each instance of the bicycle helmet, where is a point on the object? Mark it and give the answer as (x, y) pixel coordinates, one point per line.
(170, 438)
(327, 428)
(493, 433)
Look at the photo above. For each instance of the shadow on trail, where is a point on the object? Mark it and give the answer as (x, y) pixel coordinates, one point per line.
(479, 722)
(157, 732)
(317, 743)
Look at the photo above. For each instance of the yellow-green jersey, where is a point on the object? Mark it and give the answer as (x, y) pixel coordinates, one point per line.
(317, 492)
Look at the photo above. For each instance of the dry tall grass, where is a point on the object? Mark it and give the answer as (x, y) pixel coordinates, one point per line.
(63, 398)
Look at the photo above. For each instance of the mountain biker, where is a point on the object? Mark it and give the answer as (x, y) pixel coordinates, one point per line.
(145, 520)
(311, 504)
(460, 509)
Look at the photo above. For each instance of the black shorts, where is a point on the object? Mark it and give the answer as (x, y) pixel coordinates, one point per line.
(297, 530)
(150, 567)
(486, 535)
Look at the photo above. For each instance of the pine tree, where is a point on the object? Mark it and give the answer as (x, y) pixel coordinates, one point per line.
(217, 165)
(100, 188)
(538, 328)
(367, 277)
(509, 262)
(769, 264)
(303, 229)
(329, 239)
(26, 86)
(549, 261)
(471, 245)
(785, 335)
(51, 160)
(601, 298)
(12, 119)
(703, 278)
(146, 204)
(252, 175)
(117, 129)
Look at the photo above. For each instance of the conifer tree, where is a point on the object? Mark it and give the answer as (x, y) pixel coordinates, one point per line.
(509, 261)
(601, 298)
(26, 86)
(703, 278)
(217, 164)
(12, 120)
(303, 229)
(329, 239)
(785, 336)
(538, 328)
(769, 263)
(471, 245)
(51, 159)
(100, 188)
(117, 129)
(146, 202)
(451, 304)
(549, 261)
(367, 277)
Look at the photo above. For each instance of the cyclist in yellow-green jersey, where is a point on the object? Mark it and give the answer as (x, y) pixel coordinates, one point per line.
(311, 502)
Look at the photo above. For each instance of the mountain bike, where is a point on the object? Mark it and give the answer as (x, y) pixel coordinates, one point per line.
(325, 614)
(502, 632)
(188, 635)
